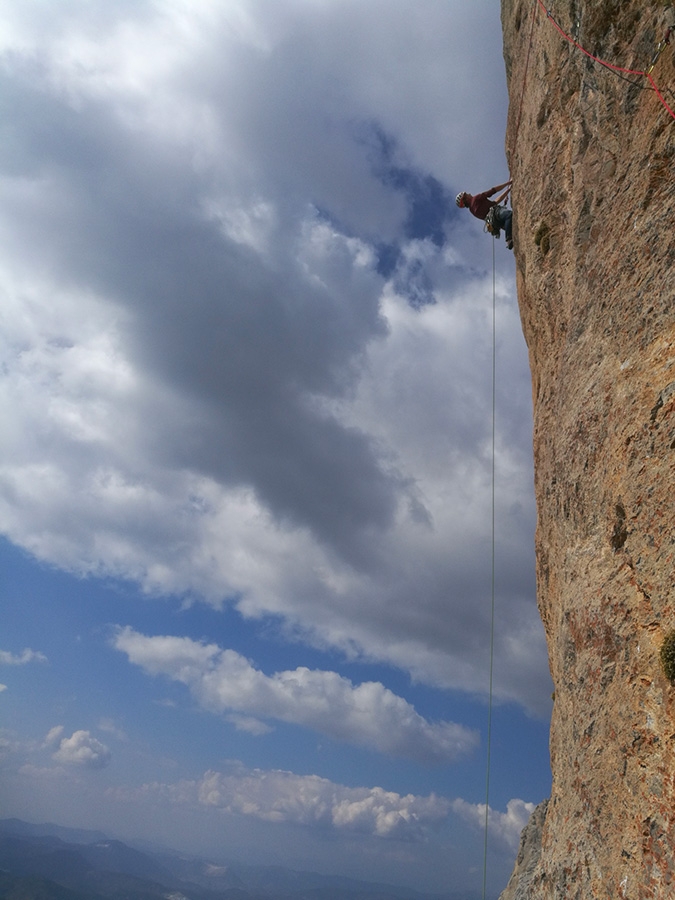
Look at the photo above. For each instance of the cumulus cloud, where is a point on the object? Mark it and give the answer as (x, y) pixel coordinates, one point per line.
(81, 749)
(505, 826)
(283, 797)
(257, 278)
(21, 659)
(54, 736)
(367, 714)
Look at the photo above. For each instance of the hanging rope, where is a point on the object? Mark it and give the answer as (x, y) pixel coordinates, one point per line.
(619, 70)
(492, 585)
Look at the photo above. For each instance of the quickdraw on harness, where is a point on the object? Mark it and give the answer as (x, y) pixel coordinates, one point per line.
(491, 222)
(660, 48)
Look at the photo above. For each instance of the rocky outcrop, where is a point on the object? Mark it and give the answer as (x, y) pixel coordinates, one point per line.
(592, 155)
(529, 852)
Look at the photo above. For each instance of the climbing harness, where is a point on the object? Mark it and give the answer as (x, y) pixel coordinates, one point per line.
(617, 70)
(491, 222)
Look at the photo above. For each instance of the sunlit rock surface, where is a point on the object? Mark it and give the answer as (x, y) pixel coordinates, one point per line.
(592, 157)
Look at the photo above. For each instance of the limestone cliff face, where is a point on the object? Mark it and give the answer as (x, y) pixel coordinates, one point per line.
(592, 157)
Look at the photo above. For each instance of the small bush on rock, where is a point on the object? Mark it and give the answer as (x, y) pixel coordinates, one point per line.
(542, 237)
(667, 656)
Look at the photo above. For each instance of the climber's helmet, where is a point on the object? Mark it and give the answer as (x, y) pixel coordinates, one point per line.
(460, 200)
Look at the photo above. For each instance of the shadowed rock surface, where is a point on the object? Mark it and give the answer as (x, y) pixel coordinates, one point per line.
(529, 851)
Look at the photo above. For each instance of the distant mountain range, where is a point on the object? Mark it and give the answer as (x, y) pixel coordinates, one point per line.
(51, 862)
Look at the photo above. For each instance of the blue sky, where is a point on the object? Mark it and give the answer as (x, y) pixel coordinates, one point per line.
(245, 479)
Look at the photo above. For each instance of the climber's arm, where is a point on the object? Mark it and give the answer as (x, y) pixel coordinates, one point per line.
(499, 187)
(504, 195)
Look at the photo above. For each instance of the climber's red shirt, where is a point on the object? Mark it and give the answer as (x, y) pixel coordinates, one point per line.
(480, 205)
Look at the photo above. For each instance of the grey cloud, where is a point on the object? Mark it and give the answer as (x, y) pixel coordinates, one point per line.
(253, 339)
(208, 379)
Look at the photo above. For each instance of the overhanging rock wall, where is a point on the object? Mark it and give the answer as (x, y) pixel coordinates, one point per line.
(592, 157)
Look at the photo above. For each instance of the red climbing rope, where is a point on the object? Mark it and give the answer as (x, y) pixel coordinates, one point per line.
(659, 94)
(603, 62)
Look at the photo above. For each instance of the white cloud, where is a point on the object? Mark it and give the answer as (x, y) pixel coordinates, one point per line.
(249, 724)
(3, 687)
(367, 714)
(506, 826)
(21, 659)
(81, 749)
(54, 736)
(283, 797)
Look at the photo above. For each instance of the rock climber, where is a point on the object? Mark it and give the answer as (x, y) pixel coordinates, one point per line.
(480, 205)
